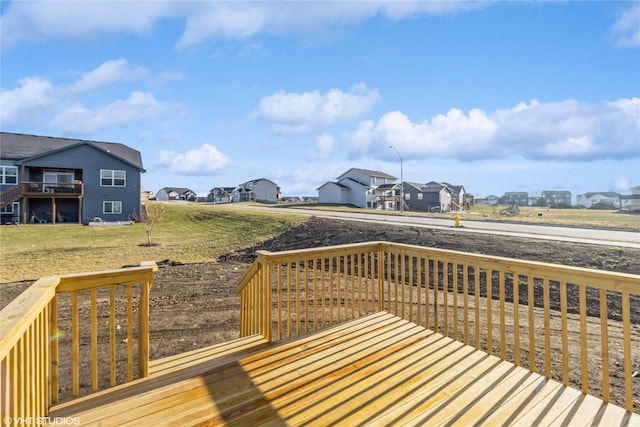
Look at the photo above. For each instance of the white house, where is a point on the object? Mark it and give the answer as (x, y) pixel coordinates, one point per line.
(589, 200)
(356, 187)
(257, 190)
(633, 200)
(175, 193)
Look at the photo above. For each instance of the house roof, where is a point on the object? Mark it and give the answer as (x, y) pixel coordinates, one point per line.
(369, 172)
(253, 181)
(337, 184)
(179, 190)
(225, 189)
(387, 186)
(563, 192)
(23, 147)
(601, 193)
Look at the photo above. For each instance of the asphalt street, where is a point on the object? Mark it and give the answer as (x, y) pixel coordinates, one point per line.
(597, 236)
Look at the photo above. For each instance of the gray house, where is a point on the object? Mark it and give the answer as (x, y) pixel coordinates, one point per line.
(434, 196)
(257, 190)
(48, 179)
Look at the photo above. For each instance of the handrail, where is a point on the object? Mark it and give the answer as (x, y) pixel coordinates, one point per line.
(34, 333)
(499, 305)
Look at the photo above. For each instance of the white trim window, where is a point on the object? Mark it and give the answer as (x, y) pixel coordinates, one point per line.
(11, 208)
(8, 175)
(112, 207)
(113, 178)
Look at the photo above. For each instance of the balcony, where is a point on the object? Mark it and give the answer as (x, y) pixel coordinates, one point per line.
(365, 334)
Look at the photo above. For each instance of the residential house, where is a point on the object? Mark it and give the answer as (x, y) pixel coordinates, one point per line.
(632, 201)
(435, 196)
(517, 198)
(221, 194)
(491, 200)
(257, 190)
(357, 187)
(555, 199)
(49, 179)
(589, 200)
(175, 193)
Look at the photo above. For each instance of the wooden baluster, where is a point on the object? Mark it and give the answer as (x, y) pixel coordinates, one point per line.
(129, 332)
(604, 344)
(515, 283)
(626, 335)
(532, 339)
(55, 349)
(547, 329)
(564, 333)
(583, 338)
(112, 336)
(94, 342)
(75, 346)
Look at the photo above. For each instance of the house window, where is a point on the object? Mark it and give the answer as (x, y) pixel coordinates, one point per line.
(8, 174)
(420, 196)
(112, 207)
(11, 208)
(113, 178)
(407, 196)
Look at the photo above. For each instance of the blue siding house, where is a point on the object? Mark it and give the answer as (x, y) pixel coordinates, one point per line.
(49, 180)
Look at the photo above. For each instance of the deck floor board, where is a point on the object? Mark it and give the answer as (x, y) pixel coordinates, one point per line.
(377, 370)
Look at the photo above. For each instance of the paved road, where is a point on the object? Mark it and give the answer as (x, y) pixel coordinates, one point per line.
(596, 236)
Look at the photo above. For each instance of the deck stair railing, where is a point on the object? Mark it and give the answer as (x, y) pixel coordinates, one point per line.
(39, 343)
(567, 323)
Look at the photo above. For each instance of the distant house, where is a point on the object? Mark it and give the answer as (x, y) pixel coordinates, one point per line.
(221, 194)
(257, 190)
(357, 187)
(50, 179)
(632, 201)
(434, 196)
(518, 198)
(555, 199)
(175, 193)
(491, 200)
(589, 200)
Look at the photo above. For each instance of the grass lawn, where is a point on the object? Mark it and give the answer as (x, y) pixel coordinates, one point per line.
(186, 233)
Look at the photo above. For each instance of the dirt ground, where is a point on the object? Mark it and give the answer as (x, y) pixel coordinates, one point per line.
(196, 305)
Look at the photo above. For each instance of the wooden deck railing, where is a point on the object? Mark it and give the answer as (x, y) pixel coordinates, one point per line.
(39, 342)
(567, 323)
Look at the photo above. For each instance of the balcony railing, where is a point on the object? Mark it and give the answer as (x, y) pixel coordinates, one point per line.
(40, 189)
(566, 323)
(44, 351)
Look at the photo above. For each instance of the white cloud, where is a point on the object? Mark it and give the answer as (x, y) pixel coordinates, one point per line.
(33, 94)
(79, 119)
(324, 147)
(34, 21)
(39, 103)
(202, 161)
(106, 74)
(292, 113)
(626, 29)
(621, 184)
(566, 130)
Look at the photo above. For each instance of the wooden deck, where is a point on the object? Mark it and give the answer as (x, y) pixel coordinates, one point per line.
(377, 370)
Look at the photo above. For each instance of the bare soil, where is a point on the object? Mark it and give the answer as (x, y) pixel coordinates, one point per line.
(196, 305)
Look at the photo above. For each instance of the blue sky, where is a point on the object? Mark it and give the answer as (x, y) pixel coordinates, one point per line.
(495, 96)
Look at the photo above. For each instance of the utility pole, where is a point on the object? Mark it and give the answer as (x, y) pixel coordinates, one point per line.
(401, 181)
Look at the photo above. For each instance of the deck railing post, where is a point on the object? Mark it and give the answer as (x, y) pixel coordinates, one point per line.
(266, 297)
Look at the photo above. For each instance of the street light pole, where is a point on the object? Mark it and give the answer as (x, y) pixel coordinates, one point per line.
(401, 181)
